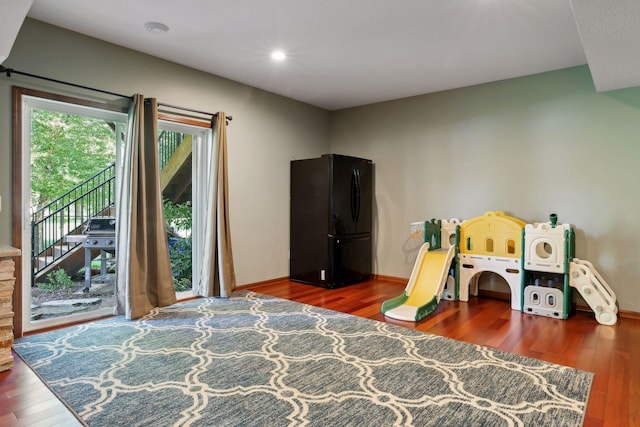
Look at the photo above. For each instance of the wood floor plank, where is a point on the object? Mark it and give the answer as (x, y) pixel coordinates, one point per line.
(617, 383)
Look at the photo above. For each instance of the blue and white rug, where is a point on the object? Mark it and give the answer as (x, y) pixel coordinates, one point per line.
(254, 360)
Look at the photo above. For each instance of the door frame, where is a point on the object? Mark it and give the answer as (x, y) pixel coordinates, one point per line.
(21, 220)
(201, 133)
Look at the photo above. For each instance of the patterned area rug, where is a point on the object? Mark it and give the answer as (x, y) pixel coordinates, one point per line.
(254, 360)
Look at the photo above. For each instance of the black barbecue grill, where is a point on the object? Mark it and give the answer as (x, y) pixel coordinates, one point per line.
(100, 235)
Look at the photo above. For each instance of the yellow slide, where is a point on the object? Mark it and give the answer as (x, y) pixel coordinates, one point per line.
(422, 294)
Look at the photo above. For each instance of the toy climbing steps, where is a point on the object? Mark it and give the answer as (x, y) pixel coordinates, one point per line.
(422, 294)
(594, 290)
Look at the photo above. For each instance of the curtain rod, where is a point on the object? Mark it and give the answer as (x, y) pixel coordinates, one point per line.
(9, 71)
(191, 110)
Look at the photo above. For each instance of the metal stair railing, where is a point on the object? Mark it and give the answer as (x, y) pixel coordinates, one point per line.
(66, 214)
(168, 142)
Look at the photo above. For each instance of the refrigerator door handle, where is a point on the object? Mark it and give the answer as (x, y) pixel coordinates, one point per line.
(358, 187)
(355, 195)
(352, 195)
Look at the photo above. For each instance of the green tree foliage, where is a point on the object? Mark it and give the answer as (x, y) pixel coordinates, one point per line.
(66, 149)
(179, 222)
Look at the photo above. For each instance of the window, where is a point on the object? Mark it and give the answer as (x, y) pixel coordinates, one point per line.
(488, 245)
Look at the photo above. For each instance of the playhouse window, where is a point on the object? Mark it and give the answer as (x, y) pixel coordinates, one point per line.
(488, 245)
(469, 246)
(511, 246)
(544, 250)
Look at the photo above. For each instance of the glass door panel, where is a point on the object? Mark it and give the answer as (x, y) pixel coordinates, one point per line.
(177, 145)
(68, 164)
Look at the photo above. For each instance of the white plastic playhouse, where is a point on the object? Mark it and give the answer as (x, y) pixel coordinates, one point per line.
(537, 261)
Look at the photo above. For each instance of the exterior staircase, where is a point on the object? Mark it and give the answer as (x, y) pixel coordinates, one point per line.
(175, 176)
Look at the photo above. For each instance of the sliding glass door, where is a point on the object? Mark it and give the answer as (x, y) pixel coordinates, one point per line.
(69, 155)
(67, 152)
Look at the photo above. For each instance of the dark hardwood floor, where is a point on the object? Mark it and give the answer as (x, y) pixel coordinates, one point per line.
(611, 352)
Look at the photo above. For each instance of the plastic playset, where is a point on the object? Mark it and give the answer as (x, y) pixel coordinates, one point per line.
(537, 261)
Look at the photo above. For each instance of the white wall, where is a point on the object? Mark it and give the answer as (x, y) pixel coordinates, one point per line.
(267, 131)
(529, 146)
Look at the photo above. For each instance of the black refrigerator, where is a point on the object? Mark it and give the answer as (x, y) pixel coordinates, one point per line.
(330, 234)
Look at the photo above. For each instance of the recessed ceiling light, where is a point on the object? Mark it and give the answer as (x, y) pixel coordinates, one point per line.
(278, 55)
(156, 27)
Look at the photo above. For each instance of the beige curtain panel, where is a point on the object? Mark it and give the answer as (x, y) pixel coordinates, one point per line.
(143, 279)
(216, 276)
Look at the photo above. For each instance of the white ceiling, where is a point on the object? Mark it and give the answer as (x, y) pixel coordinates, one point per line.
(610, 31)
(12, 14)
(345, 53)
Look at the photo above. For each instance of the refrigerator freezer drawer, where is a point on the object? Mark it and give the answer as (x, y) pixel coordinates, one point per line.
(349, 262)
(350, 257)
